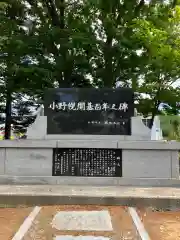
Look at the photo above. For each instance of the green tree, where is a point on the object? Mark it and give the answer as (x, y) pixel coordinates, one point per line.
(11, 14)
(160, 44)
(58, 43)
(59, 40)
(175, 133)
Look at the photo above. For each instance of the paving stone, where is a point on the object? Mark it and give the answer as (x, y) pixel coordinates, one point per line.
(69, 237)
(82, 221)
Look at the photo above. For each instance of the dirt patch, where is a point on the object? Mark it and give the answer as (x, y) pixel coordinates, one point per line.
(123, 227)
(10, 221)
(161, 225)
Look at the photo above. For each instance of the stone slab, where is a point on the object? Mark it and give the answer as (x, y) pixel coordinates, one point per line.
(175, 164)
(89, 195)
(138, 128)
(89, 181)
(82, 221)
(21, 143)
(87, 144)
(92, 141)
(146, 164)
(2, 161)
(69, 237)
(28, 162)
(89, 191)
(149, 145)
(38, 129)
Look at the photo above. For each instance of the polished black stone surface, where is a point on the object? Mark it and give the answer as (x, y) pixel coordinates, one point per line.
(89, 111)
(91, 162)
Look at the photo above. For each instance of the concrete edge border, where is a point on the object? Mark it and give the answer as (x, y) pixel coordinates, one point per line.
(138, 224)
(31, 200)
(26, 224)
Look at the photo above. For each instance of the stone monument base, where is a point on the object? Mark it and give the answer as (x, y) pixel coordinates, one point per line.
(31, 162)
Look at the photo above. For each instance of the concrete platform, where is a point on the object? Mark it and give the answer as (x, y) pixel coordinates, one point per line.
(89, 181)
(91, 195)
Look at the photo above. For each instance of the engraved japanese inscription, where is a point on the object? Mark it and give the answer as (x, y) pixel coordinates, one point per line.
(89, 111)
(87, 162)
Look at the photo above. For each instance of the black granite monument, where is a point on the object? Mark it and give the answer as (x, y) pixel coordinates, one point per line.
(89, 111)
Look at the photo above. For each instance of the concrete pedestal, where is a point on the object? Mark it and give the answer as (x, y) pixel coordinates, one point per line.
(28, 161)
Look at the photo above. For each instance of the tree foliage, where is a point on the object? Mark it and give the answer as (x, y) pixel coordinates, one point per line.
(73, 43)
(160, 42)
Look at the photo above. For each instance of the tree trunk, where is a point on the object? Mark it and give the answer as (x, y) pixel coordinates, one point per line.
(8, 112)
(58, 20)
(67, 69)
(108, 70)
(156, 101)
(154, 112)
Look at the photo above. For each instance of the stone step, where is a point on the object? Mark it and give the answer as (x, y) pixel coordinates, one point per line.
(81, 195)
(93, 181)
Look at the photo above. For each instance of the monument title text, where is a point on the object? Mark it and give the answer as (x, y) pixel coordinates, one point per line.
(88, 106)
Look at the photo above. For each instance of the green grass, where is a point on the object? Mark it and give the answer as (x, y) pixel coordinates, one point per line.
(11, 206)
(166, 125)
